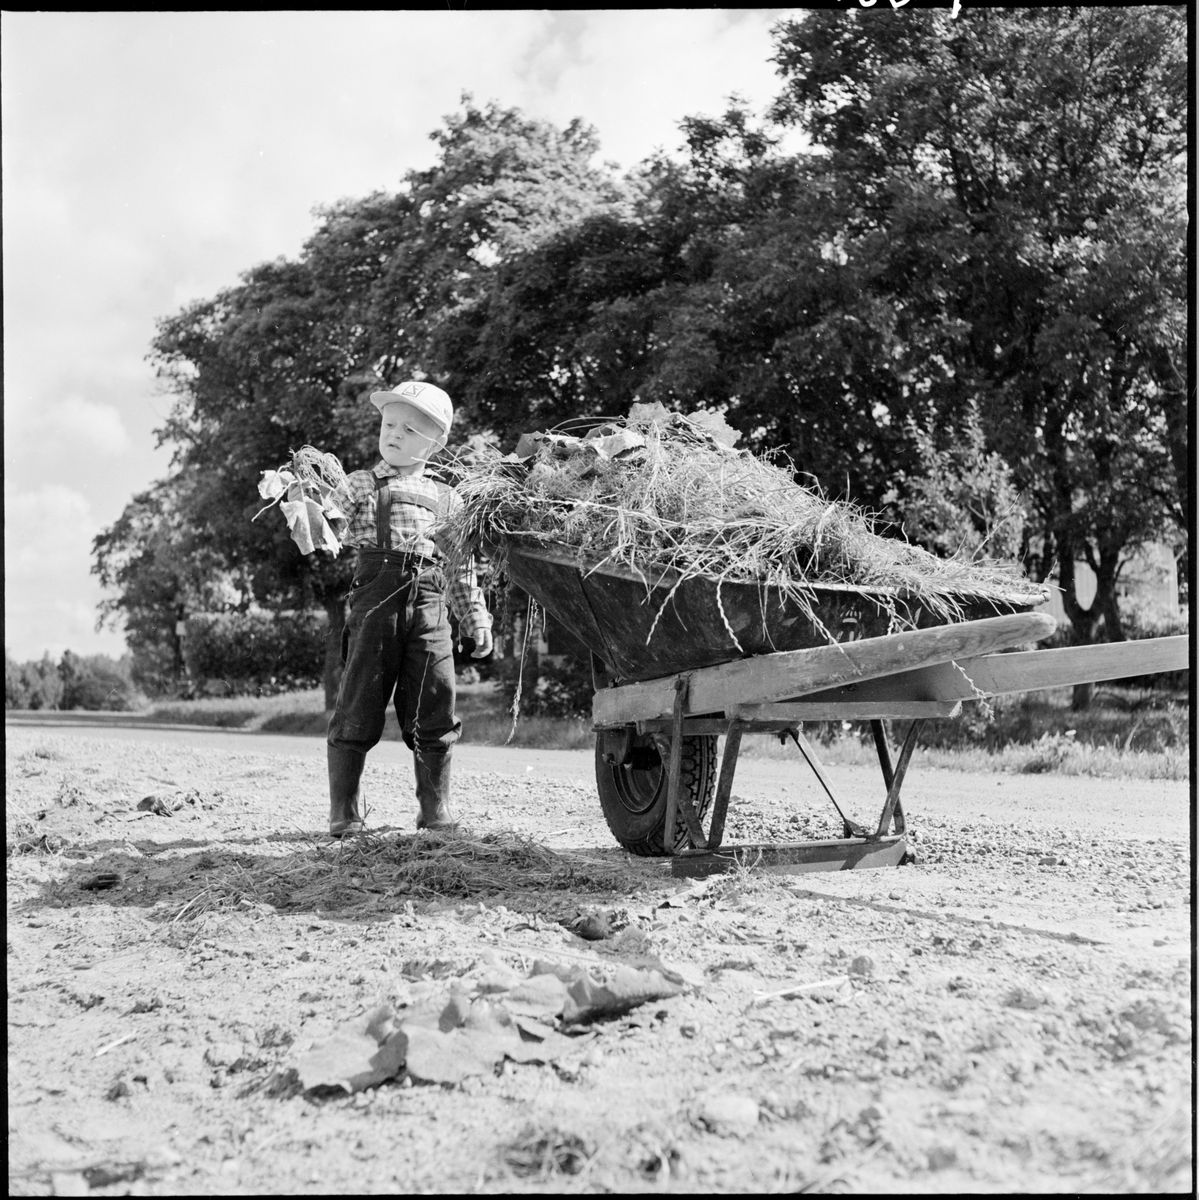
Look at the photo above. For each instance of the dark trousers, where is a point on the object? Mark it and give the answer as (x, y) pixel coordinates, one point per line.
(396, 643)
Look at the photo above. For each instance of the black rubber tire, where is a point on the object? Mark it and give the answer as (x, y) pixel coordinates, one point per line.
(633, 797)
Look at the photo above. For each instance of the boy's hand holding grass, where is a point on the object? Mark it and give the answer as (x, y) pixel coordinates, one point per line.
(483, 644)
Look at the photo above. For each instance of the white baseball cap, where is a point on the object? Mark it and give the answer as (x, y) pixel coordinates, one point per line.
(424, 397)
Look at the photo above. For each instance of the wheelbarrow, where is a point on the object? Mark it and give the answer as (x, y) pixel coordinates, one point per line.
(679, 662)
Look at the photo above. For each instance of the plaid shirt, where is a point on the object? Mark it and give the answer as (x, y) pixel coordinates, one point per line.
(413, 531)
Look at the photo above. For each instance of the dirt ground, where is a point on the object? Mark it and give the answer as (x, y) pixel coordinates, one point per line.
(1011, 1013)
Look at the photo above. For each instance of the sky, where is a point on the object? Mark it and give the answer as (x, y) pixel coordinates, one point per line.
(150, 158)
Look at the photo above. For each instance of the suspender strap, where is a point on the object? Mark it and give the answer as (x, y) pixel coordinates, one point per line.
(383, 513)
(383, 507)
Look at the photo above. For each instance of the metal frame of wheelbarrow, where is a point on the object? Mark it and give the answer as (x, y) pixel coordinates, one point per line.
(912, 676)
(859, 848)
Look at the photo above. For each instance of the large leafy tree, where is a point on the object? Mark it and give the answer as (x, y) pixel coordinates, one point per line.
(1024, 171)
(288, 355)
(739, 278)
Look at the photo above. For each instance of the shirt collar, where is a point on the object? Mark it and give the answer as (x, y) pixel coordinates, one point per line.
(384, 470)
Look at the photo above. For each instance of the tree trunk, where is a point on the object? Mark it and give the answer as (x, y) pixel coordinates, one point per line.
(1171, 376)
(1105, 605)
(178, 664)
(1082, 620)
(336, 610)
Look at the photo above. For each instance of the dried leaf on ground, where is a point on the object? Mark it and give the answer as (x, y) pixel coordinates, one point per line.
(540, 995)
(480, 1044)
(155, 805)
(628, 988)
(361, 1054)
(436, 1057)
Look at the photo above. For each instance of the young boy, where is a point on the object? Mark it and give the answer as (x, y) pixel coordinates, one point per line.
(397, 638)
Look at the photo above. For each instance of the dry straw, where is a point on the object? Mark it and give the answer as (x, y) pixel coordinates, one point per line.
(334, 876)
(317, 470)
(680, 501)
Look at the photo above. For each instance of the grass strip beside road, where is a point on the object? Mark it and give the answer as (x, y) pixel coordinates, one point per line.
(1126, 735)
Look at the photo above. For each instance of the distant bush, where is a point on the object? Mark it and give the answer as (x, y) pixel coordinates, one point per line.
(155, 669)
(255, 653)
(97, 682)
(92, 681)
(34, 685)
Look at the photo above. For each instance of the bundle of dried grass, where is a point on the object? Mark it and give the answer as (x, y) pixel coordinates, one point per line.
(317, 469)
(670, 495)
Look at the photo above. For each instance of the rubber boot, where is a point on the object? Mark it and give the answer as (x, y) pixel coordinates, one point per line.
(433, 792)
(345, 773)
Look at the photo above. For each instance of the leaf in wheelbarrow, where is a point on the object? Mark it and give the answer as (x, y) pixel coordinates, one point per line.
(615, 444)
(361, 1054)
(563, 445)
(653, 413)
(586, 999)
(714, 424)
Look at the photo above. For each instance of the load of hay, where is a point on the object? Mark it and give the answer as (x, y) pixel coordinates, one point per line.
(671, 497)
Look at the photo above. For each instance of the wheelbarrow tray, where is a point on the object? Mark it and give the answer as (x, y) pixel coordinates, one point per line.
(647, 626)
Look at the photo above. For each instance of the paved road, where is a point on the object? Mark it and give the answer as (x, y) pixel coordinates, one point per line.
(1128, 807)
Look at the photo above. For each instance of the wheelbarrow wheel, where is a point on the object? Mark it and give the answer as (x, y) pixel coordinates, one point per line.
(633, 794)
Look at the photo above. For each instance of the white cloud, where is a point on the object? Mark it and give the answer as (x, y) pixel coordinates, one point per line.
(636, 74)
(93, 428)
(50, 597)
(54, 515)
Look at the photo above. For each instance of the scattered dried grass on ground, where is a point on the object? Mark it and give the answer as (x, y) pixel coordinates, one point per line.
(542, 1154)
(385, 866)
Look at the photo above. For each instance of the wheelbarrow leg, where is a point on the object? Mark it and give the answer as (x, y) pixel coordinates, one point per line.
(675, 800)
(852, 828)
(724, 785)
(893, 808)
(884, 753)
(884, 761)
